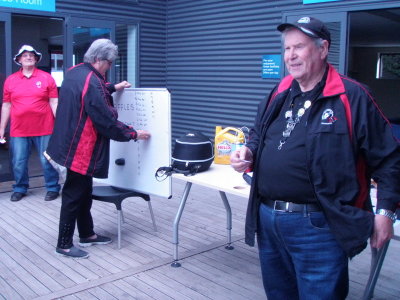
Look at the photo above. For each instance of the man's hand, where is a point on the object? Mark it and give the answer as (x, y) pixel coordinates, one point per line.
(142, 134)
(383, 231)
(242, 159)
(53, 105)
(122, 85)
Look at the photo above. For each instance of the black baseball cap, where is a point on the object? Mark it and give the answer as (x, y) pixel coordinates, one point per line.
(310, 26)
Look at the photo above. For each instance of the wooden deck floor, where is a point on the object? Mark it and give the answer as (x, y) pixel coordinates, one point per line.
(30, 269)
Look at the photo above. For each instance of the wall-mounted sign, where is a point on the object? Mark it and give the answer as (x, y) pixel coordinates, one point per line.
(271, 66)
(46, 5)
(317, 1)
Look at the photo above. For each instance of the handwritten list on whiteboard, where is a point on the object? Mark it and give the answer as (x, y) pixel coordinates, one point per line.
(146, 109)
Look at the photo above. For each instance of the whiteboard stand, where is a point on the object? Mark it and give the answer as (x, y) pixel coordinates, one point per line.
(133, 164)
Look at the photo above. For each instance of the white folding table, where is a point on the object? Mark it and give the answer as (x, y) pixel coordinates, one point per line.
(221, 178)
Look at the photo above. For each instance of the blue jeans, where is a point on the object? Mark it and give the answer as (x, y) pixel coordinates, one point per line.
(299, 257)
(20, 151)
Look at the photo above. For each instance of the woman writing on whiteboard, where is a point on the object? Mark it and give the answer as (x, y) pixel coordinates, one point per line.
(86, 121)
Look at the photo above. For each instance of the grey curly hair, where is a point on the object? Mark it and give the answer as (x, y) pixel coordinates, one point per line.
(101, 49)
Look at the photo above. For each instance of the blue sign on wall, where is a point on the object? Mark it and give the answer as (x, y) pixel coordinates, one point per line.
(317, 1)
(46, 5)
(271, 66)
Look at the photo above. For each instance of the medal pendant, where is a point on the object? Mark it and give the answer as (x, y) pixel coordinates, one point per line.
(290, 125)
(286, 133)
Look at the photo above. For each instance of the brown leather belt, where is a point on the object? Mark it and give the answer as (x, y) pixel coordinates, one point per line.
(285, 206)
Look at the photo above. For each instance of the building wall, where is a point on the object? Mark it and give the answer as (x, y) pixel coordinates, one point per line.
(208, 53)
(214, 55)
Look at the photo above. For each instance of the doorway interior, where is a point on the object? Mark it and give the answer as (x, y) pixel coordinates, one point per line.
(49, 35)
(46, 35)
(374, 56)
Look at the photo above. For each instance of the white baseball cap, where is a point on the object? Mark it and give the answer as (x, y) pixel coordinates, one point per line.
(28, 48)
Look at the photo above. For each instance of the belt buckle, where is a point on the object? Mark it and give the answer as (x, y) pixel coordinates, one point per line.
(286, 209)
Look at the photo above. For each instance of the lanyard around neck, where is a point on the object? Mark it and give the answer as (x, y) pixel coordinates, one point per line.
(292, 122)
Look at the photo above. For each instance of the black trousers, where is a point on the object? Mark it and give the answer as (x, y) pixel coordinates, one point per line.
(76, 203)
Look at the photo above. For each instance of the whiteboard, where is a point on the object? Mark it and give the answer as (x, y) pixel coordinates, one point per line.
(146, 109)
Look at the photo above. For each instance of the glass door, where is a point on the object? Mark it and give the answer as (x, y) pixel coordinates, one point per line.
(80, 33)
(5, 70)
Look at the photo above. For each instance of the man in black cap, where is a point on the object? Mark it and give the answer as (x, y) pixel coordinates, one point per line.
(317, 141)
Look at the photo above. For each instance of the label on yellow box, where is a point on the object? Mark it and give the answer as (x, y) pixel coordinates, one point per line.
(227, 140)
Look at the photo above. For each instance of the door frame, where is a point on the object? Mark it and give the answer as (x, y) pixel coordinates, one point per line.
(6, 18)
(72, 22)
(5, 167)
(336, 12)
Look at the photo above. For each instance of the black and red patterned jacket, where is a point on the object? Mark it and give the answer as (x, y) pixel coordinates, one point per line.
(343, 154)
(85, 122)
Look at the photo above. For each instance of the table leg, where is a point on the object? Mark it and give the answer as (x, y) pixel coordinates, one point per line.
(119, 220)
(175, 238)
(378, 255)
(228, 220)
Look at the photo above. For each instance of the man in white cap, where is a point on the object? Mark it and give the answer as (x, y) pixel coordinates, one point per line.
(30, 100)
(317, 141)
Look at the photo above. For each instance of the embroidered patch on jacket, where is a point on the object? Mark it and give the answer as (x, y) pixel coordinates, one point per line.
(328, 117)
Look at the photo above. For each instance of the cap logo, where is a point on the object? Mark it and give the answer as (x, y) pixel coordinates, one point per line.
(304, 20)
(308, 31)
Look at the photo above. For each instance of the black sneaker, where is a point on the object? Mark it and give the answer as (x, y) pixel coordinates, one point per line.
(16, 196)
(73, 252)
(100, 240)
(51, 196)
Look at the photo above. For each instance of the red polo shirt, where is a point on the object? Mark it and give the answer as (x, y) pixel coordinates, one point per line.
(31, 114)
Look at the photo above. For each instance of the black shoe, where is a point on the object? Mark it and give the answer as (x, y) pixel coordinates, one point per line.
(100, 240)
(16, 196)
(51, 196)
(73, 252)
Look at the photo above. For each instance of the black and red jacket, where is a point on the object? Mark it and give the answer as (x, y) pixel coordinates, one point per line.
(85, 122)
(343, 154)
